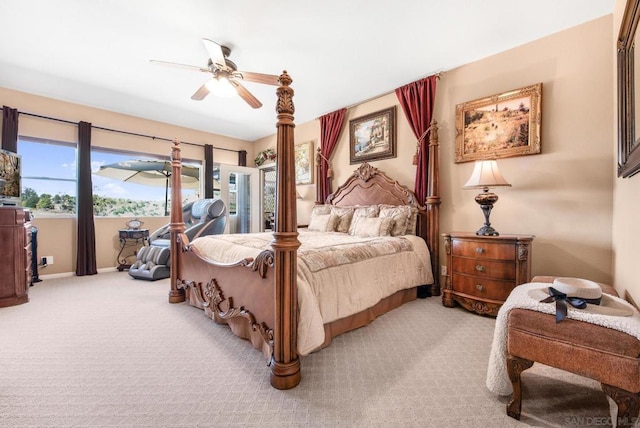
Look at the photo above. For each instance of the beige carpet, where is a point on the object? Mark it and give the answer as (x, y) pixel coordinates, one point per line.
(110, 351)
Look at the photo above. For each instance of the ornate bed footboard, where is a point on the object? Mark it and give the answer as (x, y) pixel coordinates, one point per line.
(230, 293)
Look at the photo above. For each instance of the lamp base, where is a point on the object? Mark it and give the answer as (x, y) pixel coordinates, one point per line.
(486, 201)
(487, 230)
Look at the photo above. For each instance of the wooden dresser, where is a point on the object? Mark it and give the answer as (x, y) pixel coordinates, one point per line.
(15, 255)
(482, 270)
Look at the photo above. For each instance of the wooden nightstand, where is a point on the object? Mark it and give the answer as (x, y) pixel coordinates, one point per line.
(482, 270)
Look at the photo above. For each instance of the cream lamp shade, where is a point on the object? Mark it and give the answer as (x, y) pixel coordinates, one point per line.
(486, 174)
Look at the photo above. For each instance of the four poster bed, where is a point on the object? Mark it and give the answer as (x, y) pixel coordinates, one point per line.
(370, 247)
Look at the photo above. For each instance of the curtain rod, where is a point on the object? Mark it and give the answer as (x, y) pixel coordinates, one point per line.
(375, 97)
(135, 134)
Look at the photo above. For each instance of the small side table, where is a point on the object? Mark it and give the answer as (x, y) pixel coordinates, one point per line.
(130, 238)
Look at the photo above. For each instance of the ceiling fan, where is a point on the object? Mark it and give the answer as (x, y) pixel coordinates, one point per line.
(226, 77)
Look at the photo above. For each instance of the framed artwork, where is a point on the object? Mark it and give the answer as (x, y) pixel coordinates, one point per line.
(499, 126)
(304, 163)
(628, 108)
(373, 137)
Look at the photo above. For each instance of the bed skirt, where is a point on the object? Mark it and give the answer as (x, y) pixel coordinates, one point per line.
(363, 318)
(241, 327)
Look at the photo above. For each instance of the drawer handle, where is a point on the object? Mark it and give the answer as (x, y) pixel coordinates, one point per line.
(480, 268)
(479, 287)
(479, 250)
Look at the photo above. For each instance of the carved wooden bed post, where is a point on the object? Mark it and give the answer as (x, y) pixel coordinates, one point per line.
(433, 208)
(285, 363)
(176, 226)
(319, 185)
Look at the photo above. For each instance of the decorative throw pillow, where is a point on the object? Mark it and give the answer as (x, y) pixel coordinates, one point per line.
(400, 215)
(413, 221)
(323, 222)
(345, 214)
(321, 209)
(368, 211)
(367, 227)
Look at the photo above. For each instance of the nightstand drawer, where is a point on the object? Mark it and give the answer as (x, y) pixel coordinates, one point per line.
(483, 287)
(483, 250)
(486, 268)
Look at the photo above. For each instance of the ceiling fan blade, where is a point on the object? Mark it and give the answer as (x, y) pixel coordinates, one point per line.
(246, 95)
(200, 93)
(215, 53)
(178, 65)
(267, 79)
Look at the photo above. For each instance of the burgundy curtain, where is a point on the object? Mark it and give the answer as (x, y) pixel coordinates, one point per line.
(330, 128)
(416, 100)
(242, 158)
(10, 129)
(86, 254)
(208, 171)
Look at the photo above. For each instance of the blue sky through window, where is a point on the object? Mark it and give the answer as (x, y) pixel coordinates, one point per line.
(51, 168)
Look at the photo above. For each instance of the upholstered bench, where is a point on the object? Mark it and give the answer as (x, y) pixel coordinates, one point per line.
(151, 263)
(609, 356)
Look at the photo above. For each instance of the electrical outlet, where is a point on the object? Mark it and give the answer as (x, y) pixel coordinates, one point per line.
(443, 270)
(49, 260)
(43, 261)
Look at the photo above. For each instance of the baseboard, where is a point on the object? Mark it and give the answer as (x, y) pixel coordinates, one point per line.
(56, 275)
(67, 274)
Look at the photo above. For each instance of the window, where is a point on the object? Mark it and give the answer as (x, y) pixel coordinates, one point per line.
(233, 194)
(49, 182)
(130, 184)
(48, 176)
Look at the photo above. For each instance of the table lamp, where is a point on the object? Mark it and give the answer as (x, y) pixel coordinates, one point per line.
(485, 175)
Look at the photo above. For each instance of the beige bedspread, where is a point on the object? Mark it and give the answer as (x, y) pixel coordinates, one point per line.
(338, 274)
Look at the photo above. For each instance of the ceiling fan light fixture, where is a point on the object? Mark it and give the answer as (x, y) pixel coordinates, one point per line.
(225, 80)
(221, 87)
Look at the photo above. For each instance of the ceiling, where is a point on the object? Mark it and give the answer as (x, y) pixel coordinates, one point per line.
(338, 52)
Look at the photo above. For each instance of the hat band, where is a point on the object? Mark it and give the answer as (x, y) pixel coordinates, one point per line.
(561, 300)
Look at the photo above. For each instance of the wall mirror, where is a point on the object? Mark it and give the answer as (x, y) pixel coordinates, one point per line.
(628, 105)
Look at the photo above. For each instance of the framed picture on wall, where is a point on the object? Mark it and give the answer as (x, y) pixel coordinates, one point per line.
(499, 126)
(304, 162)
(373, 137)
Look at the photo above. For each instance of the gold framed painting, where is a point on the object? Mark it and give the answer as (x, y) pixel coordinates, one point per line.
(304, 162)
(373, 137)
(499, 126)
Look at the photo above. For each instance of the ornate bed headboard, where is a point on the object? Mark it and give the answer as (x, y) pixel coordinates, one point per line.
(370, 186)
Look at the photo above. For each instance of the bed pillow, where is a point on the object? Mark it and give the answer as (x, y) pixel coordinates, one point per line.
(323, 222)
(367, 227)
(345, 214)
(400, 214)
(319, 210)
(367, 211)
